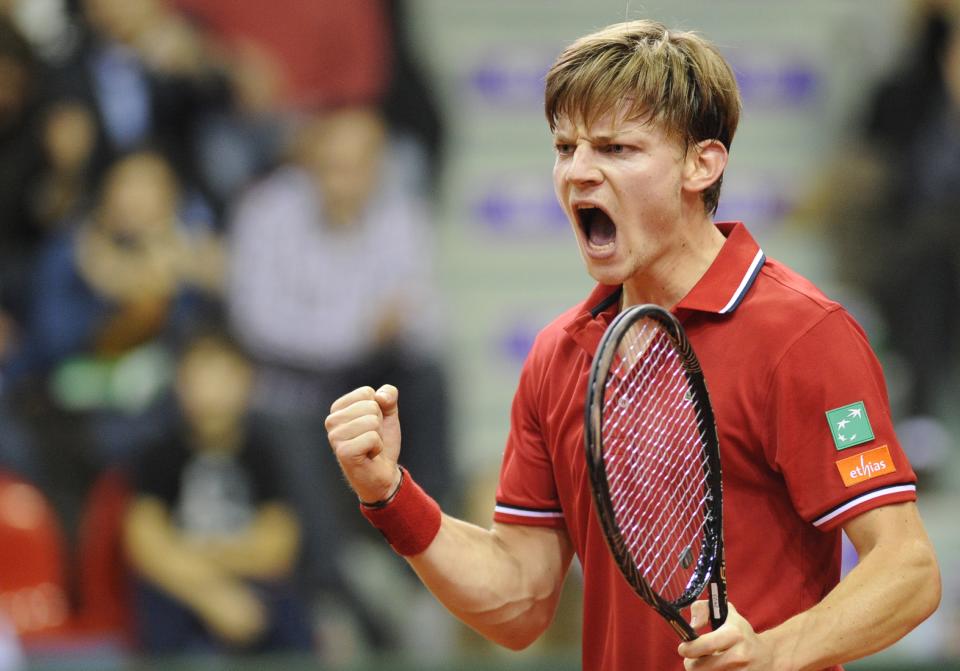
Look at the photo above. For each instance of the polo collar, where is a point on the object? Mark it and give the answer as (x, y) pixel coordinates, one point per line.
(720, 290)
(588, 325)
(730, 276)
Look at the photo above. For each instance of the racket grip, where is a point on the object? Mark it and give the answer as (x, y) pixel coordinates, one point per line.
(718, 602)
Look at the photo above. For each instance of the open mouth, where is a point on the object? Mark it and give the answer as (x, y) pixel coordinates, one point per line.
(597, 226)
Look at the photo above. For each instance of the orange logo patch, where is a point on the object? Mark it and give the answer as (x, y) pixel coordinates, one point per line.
(866, 465)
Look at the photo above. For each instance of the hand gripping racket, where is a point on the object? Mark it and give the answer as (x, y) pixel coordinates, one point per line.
(654, 464)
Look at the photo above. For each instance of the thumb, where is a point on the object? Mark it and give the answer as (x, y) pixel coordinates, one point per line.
(387, 397)
(699, 614)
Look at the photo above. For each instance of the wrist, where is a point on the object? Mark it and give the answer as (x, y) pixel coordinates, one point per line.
(409, 519)
(391, 492)
(782, 649)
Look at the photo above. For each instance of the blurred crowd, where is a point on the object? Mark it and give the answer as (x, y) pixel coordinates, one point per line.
(889, 208)
(215, 218)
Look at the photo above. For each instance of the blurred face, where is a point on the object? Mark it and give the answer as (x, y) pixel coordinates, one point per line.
(139, 200)
(344, 152)
(214, 387)
(951, 67)
(69, 135)
(121, 20)
(620, 182)
(14, 82)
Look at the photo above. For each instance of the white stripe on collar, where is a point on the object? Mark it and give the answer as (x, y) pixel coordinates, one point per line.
(745, 283)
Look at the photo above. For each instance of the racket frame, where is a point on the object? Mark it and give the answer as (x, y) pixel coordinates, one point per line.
(711, 569)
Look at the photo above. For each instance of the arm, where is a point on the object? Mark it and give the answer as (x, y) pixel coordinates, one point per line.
(266, 550)
(158, 553)
(894, 586)
(504, 582)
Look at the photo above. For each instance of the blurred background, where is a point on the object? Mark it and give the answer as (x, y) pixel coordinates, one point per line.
(216, 216)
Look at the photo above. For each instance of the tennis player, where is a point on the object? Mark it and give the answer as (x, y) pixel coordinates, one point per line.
(643, 118)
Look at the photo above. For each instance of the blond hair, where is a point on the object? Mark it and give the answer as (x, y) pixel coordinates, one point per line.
(676, 79)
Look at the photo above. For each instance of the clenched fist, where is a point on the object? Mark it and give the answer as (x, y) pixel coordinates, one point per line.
(364, 432)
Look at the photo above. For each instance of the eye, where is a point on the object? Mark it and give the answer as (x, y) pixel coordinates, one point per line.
(563, 148)
(614, 148)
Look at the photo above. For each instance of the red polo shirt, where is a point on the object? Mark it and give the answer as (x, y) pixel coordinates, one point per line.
(785, 366)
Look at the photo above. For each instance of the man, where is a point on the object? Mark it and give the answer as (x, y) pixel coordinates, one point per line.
(643, 118)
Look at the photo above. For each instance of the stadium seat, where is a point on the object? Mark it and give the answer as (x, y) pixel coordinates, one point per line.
(103, 574)
(33, 590)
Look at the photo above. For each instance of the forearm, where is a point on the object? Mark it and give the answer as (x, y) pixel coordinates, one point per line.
(504, 582)
(267, 550)
(894, 587)
(156, 553)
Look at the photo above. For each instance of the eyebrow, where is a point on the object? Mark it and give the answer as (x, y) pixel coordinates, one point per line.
(599, 139)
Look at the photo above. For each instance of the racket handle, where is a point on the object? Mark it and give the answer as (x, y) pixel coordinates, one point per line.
(718, 602)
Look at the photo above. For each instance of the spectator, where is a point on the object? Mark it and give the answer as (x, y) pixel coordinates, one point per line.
(48, 24)
(920, 144)
(208, 534)
(285, 59)
(20, 163)
(142, 73)
(108, 298)
(19, 238)
(410, 104)
(331, 282)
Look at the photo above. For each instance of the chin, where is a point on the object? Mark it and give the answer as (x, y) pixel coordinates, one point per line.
(605, 273)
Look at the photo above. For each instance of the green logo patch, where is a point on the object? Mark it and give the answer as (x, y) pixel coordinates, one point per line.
(849, 425)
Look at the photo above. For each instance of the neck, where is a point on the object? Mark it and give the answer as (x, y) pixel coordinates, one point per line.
(222, 440)
(671, 277)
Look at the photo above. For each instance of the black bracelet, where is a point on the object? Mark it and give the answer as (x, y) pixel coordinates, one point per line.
(383, 503)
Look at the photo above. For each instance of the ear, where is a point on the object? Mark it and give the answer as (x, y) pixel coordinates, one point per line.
(703, 166)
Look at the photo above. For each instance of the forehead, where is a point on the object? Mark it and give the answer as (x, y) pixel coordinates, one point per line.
(619, 121)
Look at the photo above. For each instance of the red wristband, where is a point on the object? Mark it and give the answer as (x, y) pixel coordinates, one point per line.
(409, 520)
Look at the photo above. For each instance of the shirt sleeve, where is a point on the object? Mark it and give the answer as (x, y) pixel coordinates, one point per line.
(527, 492)
(832, 434)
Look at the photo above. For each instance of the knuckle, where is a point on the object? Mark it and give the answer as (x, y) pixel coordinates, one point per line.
(371, 438)
(370, 423)
(737, 658)
(370, 407)
(335, 434)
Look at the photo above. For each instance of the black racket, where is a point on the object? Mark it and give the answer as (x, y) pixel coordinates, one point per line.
(654, 463)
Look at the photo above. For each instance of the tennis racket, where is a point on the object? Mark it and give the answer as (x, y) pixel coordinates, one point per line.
(654, 463)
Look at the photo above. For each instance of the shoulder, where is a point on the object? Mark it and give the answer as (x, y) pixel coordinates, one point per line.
(789, 315)
(160, 462)
(279, 190)
(60, 247)
(554, 336)
(786, 302)
(797, 293)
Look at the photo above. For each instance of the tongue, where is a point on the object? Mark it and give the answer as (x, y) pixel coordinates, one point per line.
(601, 231)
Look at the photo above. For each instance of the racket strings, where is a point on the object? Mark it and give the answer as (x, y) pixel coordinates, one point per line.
(653, 458)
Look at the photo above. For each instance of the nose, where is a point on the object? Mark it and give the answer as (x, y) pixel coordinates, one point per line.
(582, 169)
